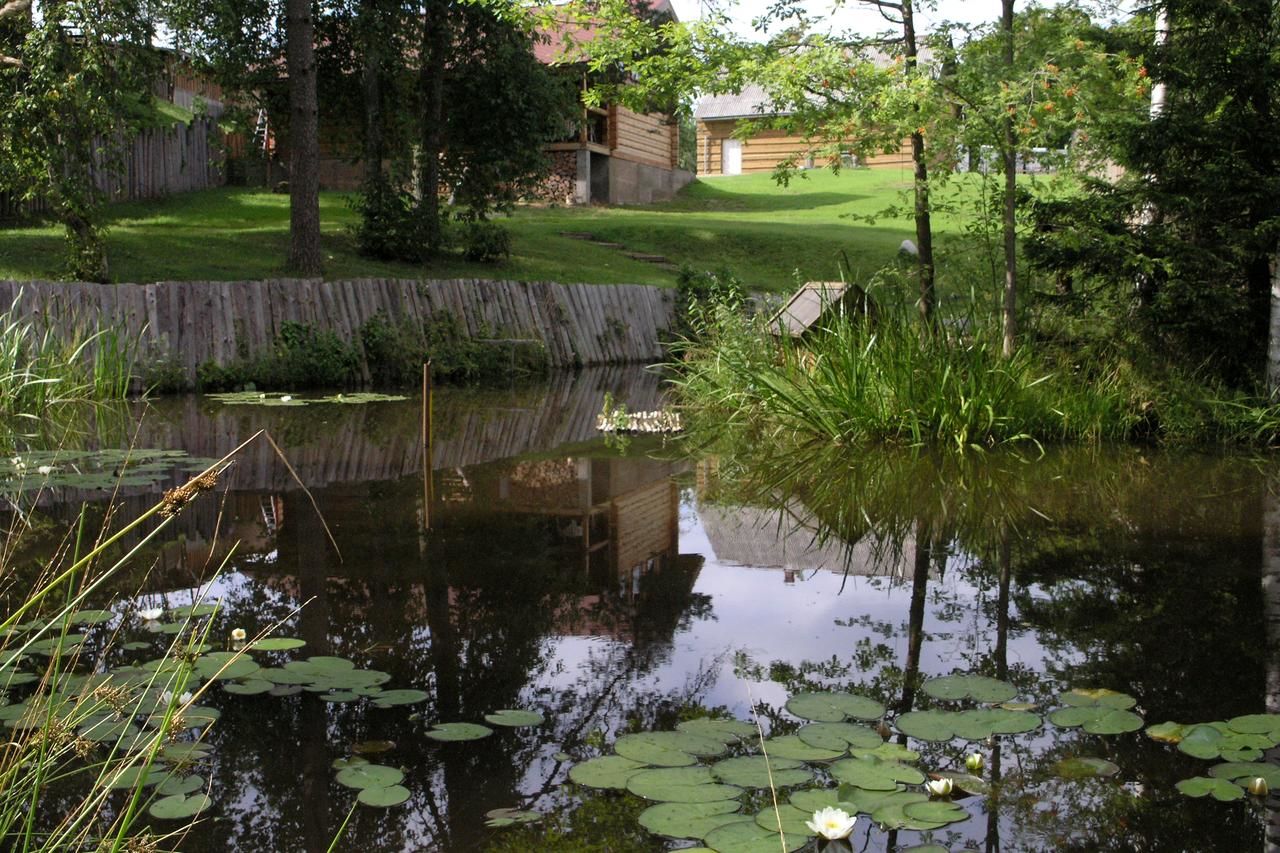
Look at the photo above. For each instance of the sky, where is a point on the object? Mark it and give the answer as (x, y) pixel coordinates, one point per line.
(857, 16)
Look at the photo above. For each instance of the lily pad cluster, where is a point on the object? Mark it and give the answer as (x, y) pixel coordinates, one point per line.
(1240, 742)
(378, 785)
(260, 398)
(94, 470)
(699, 775)
(1097, 712)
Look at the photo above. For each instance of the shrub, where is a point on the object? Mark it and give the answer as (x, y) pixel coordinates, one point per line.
(486, 242)
(700, 293)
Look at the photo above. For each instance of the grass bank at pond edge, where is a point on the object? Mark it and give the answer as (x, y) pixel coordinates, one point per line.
(849, 382)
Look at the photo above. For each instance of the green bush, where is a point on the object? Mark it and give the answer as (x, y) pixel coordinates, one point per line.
(700, 293)
(301, 358)
(486, 242)
(390, 226)
(395, 353)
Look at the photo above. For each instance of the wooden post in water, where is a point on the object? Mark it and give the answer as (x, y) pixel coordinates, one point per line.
(426, 446)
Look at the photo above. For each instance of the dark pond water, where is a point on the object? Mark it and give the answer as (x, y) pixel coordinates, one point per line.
(617, 589)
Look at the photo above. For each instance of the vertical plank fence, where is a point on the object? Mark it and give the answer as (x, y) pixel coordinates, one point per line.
(189, 323)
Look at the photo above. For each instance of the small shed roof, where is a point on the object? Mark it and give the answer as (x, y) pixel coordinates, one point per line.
(806, 307)
(751, 102)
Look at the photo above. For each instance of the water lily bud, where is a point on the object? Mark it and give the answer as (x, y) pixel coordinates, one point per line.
(832, 823)
(974, 762)
(939, 787)
(238, 635)
(1259, 787)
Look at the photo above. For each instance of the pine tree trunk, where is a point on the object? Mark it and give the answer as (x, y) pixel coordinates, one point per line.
(304, 141)
(924, 225)
(1009, 308)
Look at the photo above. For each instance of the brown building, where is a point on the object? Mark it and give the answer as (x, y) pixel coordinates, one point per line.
(723, 151)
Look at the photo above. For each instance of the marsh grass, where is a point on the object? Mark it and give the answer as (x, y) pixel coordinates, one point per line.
(41, 369)
(852, 381)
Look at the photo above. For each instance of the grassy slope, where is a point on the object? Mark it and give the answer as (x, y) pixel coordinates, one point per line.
(760, 230)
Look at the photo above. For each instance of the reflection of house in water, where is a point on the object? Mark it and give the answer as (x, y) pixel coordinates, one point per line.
(789, 538)
(616, 520)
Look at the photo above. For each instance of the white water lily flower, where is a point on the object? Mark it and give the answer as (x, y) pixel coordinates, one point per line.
(939, 787)
(832, 823)
(184, 698)
(151, 614)
(286, 398)
(238, 635)
(45, 470)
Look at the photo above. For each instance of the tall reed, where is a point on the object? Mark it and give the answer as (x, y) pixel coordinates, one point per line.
(853, 380)
(40, 368)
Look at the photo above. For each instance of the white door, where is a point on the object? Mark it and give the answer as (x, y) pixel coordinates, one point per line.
(731, 157)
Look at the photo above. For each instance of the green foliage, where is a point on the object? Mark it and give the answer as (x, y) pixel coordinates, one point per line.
(850, 382)
(395, 353)
(40, 370)
(701, 294)
(301, 358)
(71, 82)
(485, 242)
(390, 226)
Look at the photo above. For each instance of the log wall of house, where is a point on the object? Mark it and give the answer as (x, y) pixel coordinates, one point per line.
(763, 151)
(642, 138)
(187, 324)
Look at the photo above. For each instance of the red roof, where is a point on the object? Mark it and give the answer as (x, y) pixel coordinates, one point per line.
(557, 41)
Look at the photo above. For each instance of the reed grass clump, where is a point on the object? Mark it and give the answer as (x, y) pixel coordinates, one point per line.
(41, 369)
(854, 380)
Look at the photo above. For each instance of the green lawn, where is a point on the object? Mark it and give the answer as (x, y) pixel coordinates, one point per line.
(764, 232)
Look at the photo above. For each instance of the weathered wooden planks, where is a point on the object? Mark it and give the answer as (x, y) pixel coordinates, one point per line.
(191, 323)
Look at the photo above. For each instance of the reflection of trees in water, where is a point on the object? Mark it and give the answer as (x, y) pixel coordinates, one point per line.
(1134, 573)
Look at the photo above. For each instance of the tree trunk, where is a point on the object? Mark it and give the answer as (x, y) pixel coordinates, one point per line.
(1010, 303)
(372, 84)
(435, 44)
(924, 226)
(304, 141)
(1273, 336)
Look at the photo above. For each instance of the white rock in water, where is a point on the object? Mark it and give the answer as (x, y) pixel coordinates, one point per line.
(908, 248)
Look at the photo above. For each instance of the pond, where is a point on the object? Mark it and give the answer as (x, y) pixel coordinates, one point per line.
(521, 563)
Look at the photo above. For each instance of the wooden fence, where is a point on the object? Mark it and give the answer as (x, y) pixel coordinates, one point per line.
(160, 162)
(190, 323)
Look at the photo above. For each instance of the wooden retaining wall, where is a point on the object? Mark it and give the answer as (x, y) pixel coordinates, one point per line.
(190, 323)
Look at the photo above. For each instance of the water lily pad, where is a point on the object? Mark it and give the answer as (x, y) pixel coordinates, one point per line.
(750, 837)
(369, 776)
(752, 771)
(1102, 697)
(786, 819)
(108, 729)
(893, 815)
(340, 696)
(1096, 719)
(935, 812)
(815, 799)
(512, 717)
(1219, 789)
(287, 676)
(286, 690)
(276, 644)
(690, 820)
(193, 611)
(344, 763)
(933, 726)
(1237, 771)
(834, 707)
(179, 807)
(178, 752)
(609, 771)
(224, 666)
(176, 785)
(888, 751)
(91, 617)
(729, 731)
(874, 775)
(667, 749)
(249, 687)
(373, 747)
(839, 736)
(1268, 724)
(680, 785)
(1085, 768)
(1169, 732)
(964, 782)
(136, 776)
(979, 688)
(135, 646)
(385, 797)
(790, 746)
(510, 817)
(459, 731)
